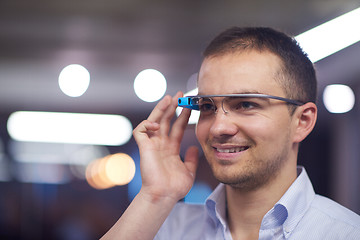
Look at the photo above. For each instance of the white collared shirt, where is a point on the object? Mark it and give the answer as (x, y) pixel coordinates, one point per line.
(299, 214)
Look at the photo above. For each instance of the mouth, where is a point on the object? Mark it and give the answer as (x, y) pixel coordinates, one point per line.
(231, 149)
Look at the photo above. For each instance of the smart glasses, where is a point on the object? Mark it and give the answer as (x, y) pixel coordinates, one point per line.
(230, 102)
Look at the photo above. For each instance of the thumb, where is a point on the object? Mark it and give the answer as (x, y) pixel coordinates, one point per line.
(192, 159)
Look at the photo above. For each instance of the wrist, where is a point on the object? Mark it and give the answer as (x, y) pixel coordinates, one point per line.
(162, 199)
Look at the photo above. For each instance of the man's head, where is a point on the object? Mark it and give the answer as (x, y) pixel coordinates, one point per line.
(250, 143)
(297, 74)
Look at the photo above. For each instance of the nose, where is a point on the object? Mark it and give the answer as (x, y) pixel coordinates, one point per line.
(223, 125)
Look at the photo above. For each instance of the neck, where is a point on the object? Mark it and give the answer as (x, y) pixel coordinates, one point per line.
(246, 209)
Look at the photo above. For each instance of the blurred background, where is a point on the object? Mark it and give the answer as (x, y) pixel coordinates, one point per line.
(74, 188)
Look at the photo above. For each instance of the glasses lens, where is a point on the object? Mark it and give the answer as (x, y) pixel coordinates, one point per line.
(239, 104)
(206, 105)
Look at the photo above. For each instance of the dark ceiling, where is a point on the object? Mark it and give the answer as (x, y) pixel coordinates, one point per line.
(117, 39)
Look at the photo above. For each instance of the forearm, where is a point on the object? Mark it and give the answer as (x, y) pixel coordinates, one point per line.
(142, 219)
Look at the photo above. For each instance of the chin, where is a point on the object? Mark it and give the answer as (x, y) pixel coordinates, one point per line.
(245, 181)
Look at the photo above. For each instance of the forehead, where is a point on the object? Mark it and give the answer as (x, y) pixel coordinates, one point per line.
(245, 72)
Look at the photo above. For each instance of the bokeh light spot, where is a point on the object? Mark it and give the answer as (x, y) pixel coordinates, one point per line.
(338, 98)
(150, 85)
(120, 168)
(112, 170)
(74, 80)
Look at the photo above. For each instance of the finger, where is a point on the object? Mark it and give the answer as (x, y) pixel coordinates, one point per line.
(144, 131)
(192, 160)
(169, 114)
(160, 109)
(179, 126)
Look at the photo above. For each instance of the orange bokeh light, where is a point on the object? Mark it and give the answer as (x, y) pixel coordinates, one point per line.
(109, 171)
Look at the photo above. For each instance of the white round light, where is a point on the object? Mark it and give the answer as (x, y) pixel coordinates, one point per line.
(150, 85)
(74, 80)
(338, 98)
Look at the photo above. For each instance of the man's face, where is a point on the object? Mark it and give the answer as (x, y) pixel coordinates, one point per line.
(249, 148)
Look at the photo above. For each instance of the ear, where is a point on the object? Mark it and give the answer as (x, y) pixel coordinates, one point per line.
(304, 119)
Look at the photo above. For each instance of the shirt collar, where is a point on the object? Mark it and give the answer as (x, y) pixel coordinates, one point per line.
(287, 211)
(216, 205)
(296, 200)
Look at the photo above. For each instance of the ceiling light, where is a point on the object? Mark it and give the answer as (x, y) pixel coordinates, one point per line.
(150, 85)
(332, 36)
(74, 80)
(79, 128)
(338, 98)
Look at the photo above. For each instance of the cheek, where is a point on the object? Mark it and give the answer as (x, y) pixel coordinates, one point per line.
(201, 131)
(265, 130)
(276, 136)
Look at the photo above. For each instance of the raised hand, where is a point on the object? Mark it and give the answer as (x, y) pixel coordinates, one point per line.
(165, 178)
(164, 174)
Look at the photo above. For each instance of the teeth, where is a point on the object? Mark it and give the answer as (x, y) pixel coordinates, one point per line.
(231, 150)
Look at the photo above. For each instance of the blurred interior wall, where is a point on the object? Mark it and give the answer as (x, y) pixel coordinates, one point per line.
(346, 159)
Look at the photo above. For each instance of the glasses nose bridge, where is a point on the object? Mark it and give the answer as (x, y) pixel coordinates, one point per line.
(222, 106)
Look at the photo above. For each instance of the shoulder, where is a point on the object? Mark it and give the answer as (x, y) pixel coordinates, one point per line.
(327, 219)
(333, 210)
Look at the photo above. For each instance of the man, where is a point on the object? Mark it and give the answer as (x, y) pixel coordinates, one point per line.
(257, 93)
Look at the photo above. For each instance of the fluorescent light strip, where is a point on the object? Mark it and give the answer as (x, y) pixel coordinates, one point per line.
(78, 128)
(332, 36)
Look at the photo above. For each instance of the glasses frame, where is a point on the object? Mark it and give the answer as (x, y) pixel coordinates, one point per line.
(190, 102)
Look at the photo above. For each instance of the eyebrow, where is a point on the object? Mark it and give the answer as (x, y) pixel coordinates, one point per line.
(249, 96)
(235, 92)
(251, 93)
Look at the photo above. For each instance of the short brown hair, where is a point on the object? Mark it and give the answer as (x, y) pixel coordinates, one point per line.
(297, 75)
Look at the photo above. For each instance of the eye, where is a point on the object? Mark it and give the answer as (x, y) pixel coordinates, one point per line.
(240, 104)
(246, 105)
(206, 106)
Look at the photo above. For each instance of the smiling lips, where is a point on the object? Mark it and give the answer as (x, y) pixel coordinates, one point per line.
(231, 150)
